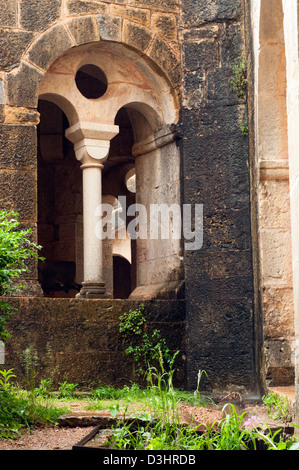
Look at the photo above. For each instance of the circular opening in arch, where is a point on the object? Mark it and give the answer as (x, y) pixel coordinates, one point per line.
(91, 81)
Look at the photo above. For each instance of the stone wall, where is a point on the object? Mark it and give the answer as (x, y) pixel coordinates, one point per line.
(219, 277)
(79, 340)
(193, 44)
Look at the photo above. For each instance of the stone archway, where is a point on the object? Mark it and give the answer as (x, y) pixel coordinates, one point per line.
(148, 101)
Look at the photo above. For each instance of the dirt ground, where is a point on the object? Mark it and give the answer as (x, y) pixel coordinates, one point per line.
(82, 422)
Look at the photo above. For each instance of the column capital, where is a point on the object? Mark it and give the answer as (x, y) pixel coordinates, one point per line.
(91, 140)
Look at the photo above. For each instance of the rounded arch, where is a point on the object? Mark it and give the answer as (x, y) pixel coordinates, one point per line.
(131, 83)
(63, 103)
(67, 36)
(144, 118)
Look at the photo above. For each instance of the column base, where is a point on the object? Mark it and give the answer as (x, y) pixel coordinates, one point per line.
(93, 290)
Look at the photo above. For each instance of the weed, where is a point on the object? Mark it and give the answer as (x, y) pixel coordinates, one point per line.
(142, 346)
(45, 388)
(66, 390)
(5, 381)
(22, 410)
(277, 406)
(239, 80)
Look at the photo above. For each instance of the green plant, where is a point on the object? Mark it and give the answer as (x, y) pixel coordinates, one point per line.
(66, 390)
(277, 406)
(20, 410)
(144, 347)
(16, 249)
(7, 375)
(245, 128)
(45, 388)
(239, 79)
(30, 363)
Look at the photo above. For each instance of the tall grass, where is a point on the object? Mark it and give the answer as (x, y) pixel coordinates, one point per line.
(23, 410)
(162, 429)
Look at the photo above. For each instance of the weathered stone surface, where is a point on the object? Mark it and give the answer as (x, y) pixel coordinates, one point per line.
(97, 354)
(2, 100)
(52, 44)
(20, 114)
(23, 85)
(8, 12)
(203, 32)
(278, 309)
(166, 5)
(78, 7)
(201, 55)
(165, 25)
(280, 362)
(22, 199)
(139, 15)
(18, 147)
(110, 27)
(84, 30)
(219, 89)
(196, 12)
(166, 59)
(136, 36)
(12, 46)
(36, 15)
(232, 43)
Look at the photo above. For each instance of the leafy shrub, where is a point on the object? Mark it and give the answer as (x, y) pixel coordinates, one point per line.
(16, 249)
(144, 347)
(17, 412)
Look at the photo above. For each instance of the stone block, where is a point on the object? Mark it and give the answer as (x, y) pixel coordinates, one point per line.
(197, 12)
(231, 43)
(51, 45)
(139, 15)
(194, 85)
(23, 85)
(276, 249)
(136, 36)
(84, 30)
(274, 204)
(220, 122)
(18, 147)
(219, 87)
(202, 55)
(162, 5)
(20, 115)
(110, 27)
(204, 32)
(78, 7)
(278, 311)
(280, 362)
(12, 46)
(165, 58)
(165, 25)
(36, 15)
(18, 193)
(8, 12)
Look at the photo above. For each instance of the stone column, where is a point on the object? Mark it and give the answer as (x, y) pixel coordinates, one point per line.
(91, 144)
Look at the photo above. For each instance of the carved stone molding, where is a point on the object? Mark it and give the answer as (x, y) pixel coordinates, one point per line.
(273, 170)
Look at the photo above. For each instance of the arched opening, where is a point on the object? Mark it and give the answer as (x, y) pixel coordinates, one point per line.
(126, 146)
(59, 205)
(119, 164)
(121, 277)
